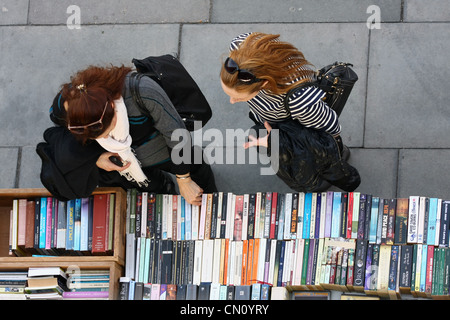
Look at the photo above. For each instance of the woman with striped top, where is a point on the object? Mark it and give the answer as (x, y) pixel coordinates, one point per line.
(260, 70)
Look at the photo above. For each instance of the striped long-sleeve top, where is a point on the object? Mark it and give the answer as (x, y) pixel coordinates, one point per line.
(305, 105)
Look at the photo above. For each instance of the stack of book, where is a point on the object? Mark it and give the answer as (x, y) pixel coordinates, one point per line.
(46, 226)
(302, 241)
(87, 285)
(46, 283)
(12, 285)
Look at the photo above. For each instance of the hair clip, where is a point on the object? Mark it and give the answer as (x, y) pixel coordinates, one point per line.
(81, 87)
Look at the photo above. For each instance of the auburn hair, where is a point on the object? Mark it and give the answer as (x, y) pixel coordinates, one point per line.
(279, 63)
(87, 94)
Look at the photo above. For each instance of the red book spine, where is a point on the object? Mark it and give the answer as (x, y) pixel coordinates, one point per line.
(98, 221)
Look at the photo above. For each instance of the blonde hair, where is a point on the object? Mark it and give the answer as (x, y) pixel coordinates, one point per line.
(269, 59)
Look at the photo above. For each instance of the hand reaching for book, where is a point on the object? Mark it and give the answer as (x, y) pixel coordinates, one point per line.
(190, 191)
(105, 163)
(263, 142)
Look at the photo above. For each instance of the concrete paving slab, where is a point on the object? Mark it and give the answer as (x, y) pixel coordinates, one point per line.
(30, 168)
(117, 11)
(8, 169)
(378, 171)
(13, 12)
(245, 11)
(344, 42)
(245, 178)
(433, 11)
(424, 172)
(407, 103)
(31, 78)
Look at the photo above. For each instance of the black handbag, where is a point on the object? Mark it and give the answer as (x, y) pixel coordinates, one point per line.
(336, 80)
(178, 84)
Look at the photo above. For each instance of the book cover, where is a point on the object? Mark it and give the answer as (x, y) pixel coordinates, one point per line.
(392, 207)
(413, 212)
(401, 221)
(99, 227)
(242, 292)
(374, 220)
(307, 216)
(406, 256)
(238, 216)
(432, 218)
(273, 215)
(336, 215)
(360, 265)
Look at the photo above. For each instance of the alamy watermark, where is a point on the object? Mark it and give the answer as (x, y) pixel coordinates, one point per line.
(74, 20)
(213, 152)
(374, 20)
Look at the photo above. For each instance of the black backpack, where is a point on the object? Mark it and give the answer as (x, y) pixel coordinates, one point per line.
(336, 80)
(178, 84)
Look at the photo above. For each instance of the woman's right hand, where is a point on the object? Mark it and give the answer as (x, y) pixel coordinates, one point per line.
(104, 163)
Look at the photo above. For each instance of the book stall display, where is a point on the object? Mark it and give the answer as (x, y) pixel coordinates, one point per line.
(82, 238)
(271, 245)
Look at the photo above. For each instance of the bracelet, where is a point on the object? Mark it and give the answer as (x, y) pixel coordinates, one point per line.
(184, 177)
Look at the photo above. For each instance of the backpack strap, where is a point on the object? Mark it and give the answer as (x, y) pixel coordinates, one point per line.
(133, 84)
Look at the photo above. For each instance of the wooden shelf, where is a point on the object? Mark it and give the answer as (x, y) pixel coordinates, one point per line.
(114, 262)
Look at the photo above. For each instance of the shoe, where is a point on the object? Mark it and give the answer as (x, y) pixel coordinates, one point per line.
(345, 154)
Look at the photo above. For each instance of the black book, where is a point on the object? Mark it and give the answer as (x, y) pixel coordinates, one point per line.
(124, 286)
(361, 217)
(360, 263)
(181, 291)
(445, 221)
(344, 214)
(138, 291)
(214, 211)
(166, 257)
(191, 291)
(368, 215)
(406, 256)
(230, 292)
(242, 292)
(251, 216)
(224, 215)
(204, 291)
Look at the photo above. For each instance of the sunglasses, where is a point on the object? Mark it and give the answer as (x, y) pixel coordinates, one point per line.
(244, 75)
(94, 127)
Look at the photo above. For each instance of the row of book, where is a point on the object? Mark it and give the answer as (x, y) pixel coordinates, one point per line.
(301, 264)
(47, 226)
(284, 216)
(53, 283)
(307, 241)
(132, 290)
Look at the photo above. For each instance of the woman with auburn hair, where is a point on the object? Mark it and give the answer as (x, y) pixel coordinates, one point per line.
(260, 70)
(101, 120)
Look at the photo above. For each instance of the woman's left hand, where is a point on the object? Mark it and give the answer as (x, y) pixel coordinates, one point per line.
(263, 142)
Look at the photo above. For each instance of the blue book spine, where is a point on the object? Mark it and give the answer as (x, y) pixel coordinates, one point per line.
(183, 217)
(307, 215)
(432, 216)
(43, 223)
(374, 220)
(77, 225)
(336, 215)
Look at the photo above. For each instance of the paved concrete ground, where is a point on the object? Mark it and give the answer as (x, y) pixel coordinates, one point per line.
(396, 121)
